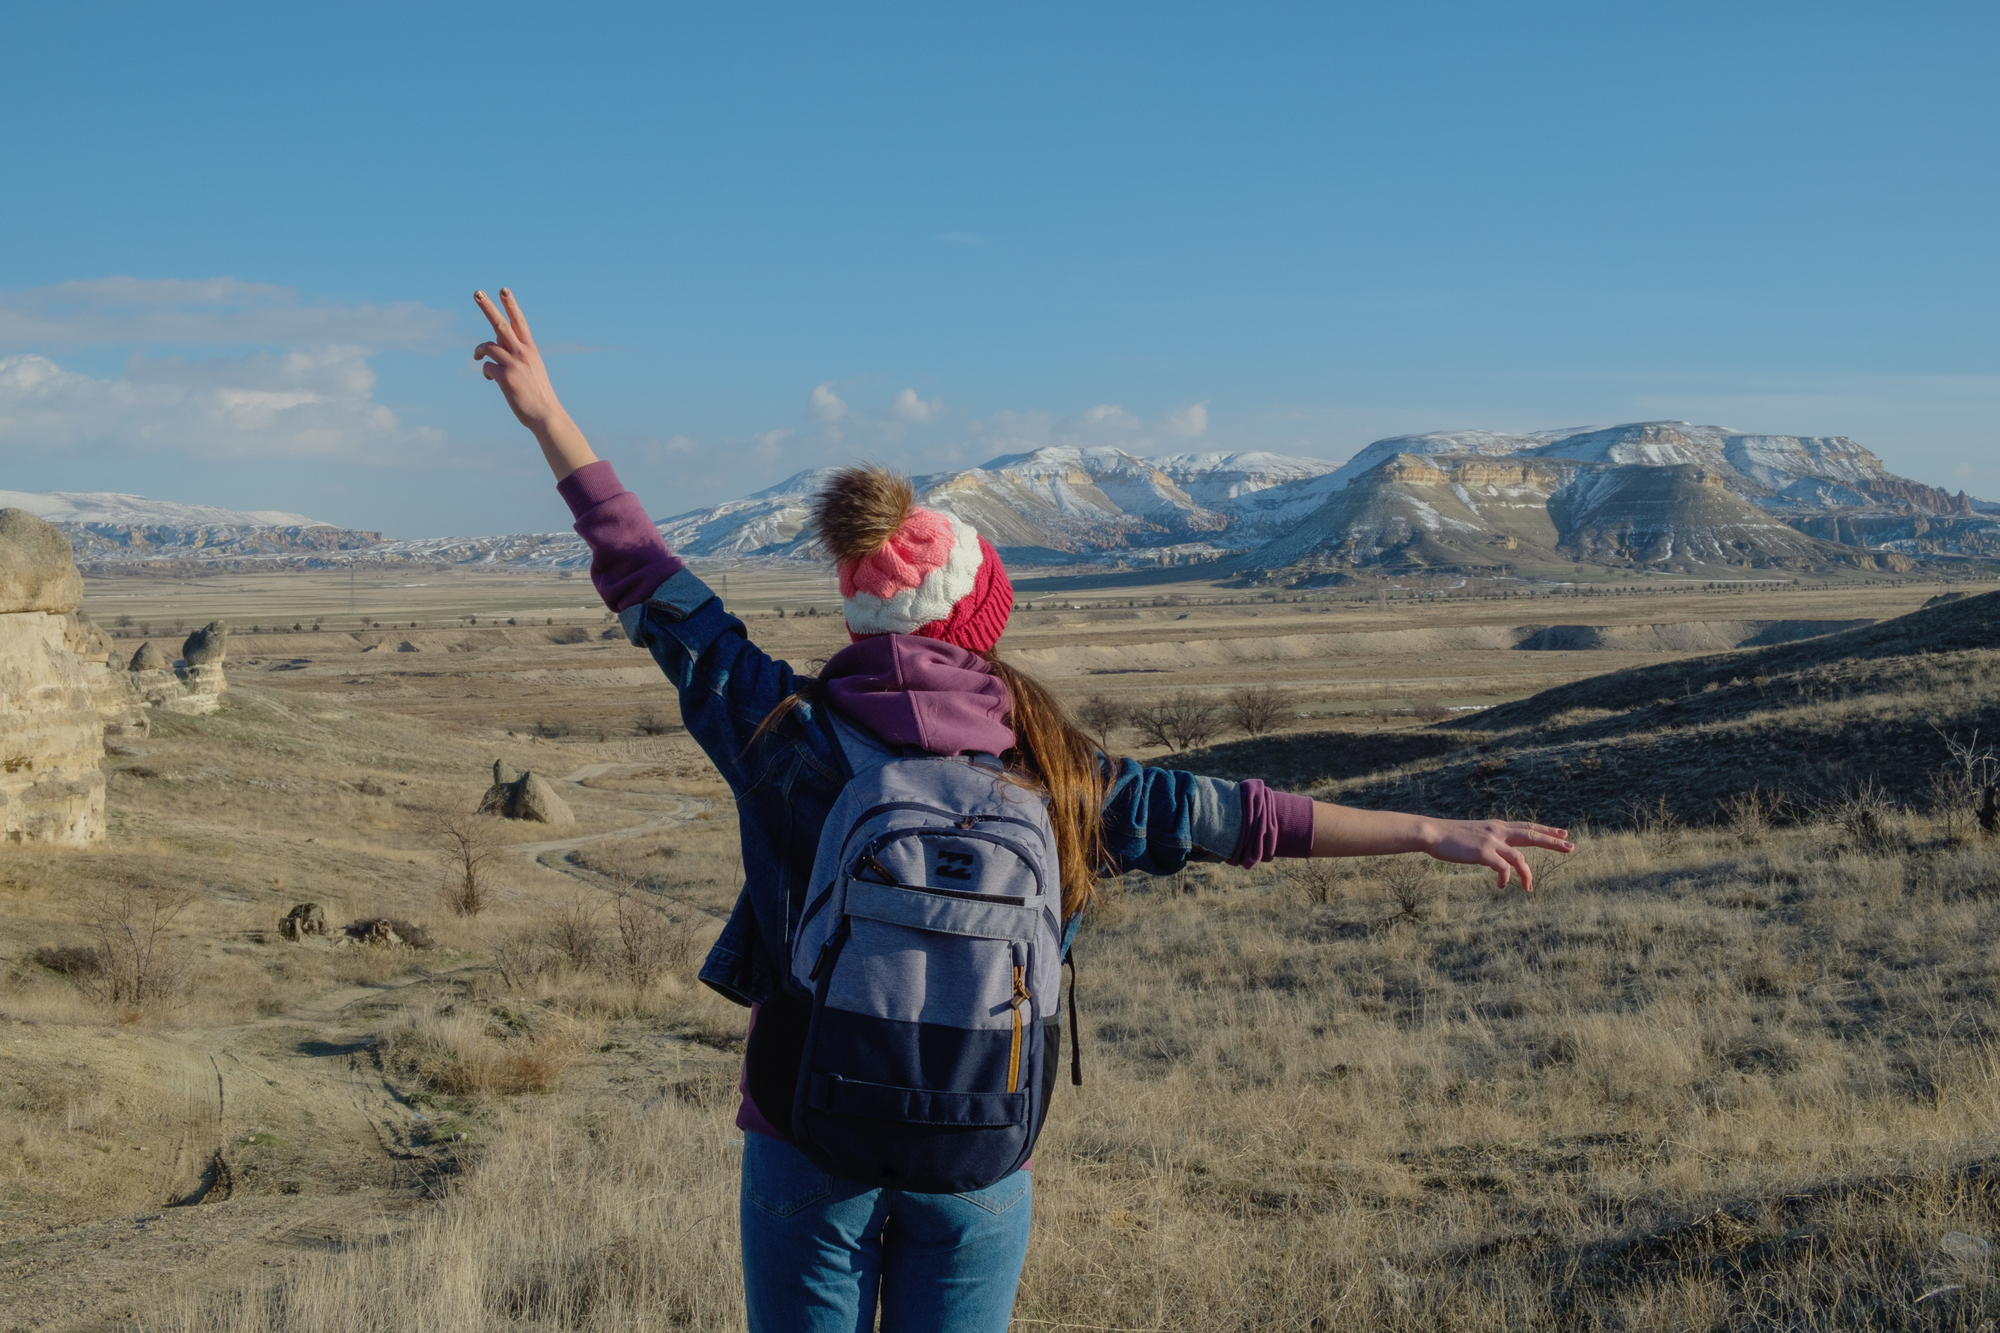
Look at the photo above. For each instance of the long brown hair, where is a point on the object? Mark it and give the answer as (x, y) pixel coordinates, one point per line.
(1051, 755)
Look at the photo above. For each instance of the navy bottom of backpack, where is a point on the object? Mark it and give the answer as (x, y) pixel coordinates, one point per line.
(917, 1136)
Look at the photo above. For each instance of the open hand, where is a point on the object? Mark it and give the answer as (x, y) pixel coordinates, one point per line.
(1496, 843)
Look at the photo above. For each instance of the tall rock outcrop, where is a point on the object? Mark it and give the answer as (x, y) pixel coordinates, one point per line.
(119, 704)
(51, 737)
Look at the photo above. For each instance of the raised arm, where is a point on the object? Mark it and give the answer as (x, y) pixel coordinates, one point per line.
(1340, 830)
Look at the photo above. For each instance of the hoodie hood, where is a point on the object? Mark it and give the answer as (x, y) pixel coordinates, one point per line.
(923, 692)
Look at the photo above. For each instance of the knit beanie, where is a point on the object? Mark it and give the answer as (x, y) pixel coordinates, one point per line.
(906, 570)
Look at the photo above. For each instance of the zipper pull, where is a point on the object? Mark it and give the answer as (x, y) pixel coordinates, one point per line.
(1020, 987)
(820, 961)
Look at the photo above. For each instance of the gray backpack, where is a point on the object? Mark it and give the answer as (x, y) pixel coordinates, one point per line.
(931, 943)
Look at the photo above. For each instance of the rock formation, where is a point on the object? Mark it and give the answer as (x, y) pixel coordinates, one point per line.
(206, 644)
(193, 685)
(51, 738)
(528, 796)
(304, 919)
(119, 704)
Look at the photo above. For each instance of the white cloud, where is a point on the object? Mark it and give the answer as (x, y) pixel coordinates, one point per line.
(912, 408)
(1109, 417)
(295, 404)
(825, 404)
(212, 311)
(1190, 421)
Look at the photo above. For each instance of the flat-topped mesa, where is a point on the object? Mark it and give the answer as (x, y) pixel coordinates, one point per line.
(51, 737)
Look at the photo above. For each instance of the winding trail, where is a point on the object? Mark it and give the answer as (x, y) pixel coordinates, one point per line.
(659, 809)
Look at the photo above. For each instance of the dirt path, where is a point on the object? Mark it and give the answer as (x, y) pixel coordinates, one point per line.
(658, 808)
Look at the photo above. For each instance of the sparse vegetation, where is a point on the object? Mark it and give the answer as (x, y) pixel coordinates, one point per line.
(1179, 721)
(466, 842)
(1255, 709)
(1101, 715)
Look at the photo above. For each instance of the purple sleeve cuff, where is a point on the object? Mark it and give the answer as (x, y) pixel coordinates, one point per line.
(627, 557)
(1275, 823)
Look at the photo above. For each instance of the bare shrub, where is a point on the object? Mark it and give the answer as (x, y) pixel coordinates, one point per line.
(1868, 815)
(465, 843)
(1749, 815)
(1179, 721)
(652, 722)
(523, 956)
(572, 931)
(1657, 824)
(141, 964)
(1961, 788)
(1320, 880)
(1410, 882)
(1255, 709)
(1101, 715)
(1430, 710)
(651, 941)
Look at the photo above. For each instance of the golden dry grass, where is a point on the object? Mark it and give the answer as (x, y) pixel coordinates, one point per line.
(1715, 1078)
(1713, 1086)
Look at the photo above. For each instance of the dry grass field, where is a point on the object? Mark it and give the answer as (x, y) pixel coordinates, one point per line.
(1710, 1075)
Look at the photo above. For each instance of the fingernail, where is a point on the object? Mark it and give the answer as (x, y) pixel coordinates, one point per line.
(505, 292)
(479, 295)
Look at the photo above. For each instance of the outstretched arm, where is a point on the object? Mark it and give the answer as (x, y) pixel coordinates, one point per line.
(1340, 830)
(515, 364)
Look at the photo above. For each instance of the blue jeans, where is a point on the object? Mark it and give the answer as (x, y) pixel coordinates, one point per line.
(819, 1251)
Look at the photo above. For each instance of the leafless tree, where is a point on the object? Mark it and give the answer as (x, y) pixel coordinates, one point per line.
(1101, 715)
(142, 962)
(653, 722)
(465, 844)
(1178, 721)
(1256, 709)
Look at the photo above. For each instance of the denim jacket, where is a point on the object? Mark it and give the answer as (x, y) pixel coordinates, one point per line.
(1155, 820)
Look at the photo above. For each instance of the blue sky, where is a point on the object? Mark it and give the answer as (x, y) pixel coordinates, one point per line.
(238, 243)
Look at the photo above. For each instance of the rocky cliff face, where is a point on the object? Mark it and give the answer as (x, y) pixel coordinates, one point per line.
(51, 737)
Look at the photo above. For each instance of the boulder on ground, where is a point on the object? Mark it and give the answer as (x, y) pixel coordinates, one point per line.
(386, 930)
(529, 796)
(504, 776)
(207, 644)
(37, 568)
(148, 658)
(304, 919)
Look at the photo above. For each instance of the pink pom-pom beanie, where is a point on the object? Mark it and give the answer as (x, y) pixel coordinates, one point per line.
(936, 578)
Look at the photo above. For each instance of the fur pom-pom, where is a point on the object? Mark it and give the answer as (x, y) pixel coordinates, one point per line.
(860, 510)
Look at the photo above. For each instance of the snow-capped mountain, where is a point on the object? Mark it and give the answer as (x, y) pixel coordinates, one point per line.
(114, 507)
(110, 525)
(1662, 494)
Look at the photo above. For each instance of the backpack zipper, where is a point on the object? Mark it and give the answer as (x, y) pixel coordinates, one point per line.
(1014, 1052)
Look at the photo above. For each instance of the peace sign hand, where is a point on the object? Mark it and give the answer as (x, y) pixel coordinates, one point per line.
(513, 362)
